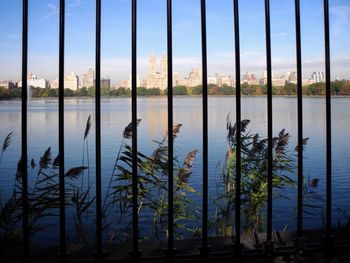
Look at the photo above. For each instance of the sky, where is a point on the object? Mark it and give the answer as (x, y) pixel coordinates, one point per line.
(151, 37)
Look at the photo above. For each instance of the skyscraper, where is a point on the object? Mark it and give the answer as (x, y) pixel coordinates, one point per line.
(71, 81)
(317, 77)
(164, 66)
(155, 79)
(152, 65)
(88, 78)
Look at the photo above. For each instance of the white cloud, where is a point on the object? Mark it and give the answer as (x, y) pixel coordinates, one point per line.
(340, 19)
(76, 3)
(281, 34)
(118, 68)
(249, 53)
(52, 10)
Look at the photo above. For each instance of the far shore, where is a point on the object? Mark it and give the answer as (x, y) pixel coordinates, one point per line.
(178, 96)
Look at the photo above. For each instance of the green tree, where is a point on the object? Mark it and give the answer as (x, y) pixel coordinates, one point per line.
(68, 93)
(141, 91)
(247, 89)
(341, 87)
(180, 90)
(53, 93)
(91, 91)
(213, 89)
(4, 93)
(37, 92)
(104, 91)
(15, 92)
(316, 89)
(226, 90)
(197, 90)
(153, 92)
(82, 92)
(290, 89)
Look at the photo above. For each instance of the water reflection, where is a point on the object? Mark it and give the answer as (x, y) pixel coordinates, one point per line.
(43, 132)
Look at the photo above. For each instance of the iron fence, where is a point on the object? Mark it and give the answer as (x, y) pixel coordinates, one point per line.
(238, 252)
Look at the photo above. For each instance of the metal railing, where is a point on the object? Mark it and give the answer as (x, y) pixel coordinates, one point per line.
(238, 251)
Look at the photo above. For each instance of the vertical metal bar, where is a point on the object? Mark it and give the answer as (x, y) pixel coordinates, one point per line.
(24, 131)
(99, 248)
(300, 123)
(62, 210)
(269, 119)
(135, 218)
(238, 126)
(328, 124)
(205, 131)
(170, 134)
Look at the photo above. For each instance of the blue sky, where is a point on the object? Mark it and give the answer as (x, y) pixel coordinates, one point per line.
(116, 20)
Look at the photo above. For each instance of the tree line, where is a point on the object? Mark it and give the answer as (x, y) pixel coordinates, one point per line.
(339, 88)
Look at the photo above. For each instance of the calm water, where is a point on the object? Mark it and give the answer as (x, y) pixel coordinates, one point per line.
(43, 127)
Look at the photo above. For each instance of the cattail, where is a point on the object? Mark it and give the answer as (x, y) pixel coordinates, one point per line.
(46, 159)
(128, 129)
(87, 128)
(305, 140)
(314, 182)
(73, 173)
(244, 124)
(176, 129)
(7, 141)
(283, 141)
(186, 169)
(56, 162)
(32, 164)
(19, 173)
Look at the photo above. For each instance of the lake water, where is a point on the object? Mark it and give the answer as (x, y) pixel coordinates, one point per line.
(116, 114)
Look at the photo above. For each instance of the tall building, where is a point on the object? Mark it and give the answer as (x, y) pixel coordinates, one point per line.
(317, 77)
(34, 81)
(106, 82)
(292, 77)
(128, 83)
(164, 66)
(71, 81)
(249, 78)
(88, 79)
(152, 65)
(219, 80)
(7, 84)
(54, 84)
(194, 78)
(155, 79)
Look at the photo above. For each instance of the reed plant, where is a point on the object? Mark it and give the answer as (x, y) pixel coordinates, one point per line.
(152, 183)
(152, 190)
(254, 174)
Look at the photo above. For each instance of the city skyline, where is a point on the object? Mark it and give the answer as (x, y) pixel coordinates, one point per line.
(116, 61)
(158, 79)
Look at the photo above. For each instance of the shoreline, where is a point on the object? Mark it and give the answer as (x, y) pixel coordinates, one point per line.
(177, 96)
